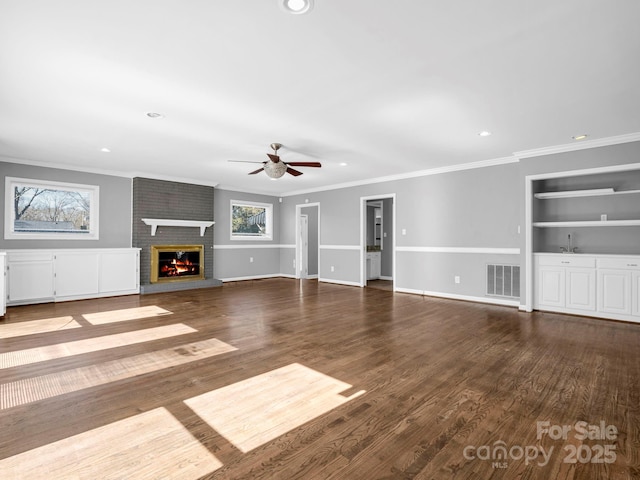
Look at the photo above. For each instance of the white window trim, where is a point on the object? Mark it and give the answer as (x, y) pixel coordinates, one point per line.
(9, 214)
(248, 203)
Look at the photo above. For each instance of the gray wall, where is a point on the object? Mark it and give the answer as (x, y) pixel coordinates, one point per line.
(465, 209)
(115, 206)
(232, 258)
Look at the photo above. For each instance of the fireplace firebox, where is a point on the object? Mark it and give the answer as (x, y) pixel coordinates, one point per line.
(172, 263)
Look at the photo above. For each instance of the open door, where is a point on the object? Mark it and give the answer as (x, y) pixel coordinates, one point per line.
(307, 240)
(378, 241)
(303, 271)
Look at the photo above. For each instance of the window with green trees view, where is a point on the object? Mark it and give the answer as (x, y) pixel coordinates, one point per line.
(251, 221)
(44, 209)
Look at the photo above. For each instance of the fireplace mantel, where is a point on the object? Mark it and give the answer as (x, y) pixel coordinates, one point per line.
(154, 223)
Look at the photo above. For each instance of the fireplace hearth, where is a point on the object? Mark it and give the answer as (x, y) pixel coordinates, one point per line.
(174, 263)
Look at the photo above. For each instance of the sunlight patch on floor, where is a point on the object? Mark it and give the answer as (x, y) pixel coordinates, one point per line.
(33, 327)
(96, 344)
(46, 386)
(100, 318)
(152, 445)
(255, 411)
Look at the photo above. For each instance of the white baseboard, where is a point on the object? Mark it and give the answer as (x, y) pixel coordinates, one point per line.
(386, 278)
(409, 290)
(468, 298)
(339, 282)
(256, 277)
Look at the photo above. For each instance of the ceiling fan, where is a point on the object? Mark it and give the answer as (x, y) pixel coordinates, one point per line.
(276, 168)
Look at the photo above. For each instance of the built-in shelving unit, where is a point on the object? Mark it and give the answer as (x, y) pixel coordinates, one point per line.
(597, 192)
(573, 212)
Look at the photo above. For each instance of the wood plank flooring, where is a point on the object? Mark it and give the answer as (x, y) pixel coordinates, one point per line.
(287, 379)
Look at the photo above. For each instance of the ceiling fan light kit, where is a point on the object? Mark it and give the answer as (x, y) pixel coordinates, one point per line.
(276, 168)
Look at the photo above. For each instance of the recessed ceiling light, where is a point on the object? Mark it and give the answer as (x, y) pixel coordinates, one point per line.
(154, 115)
(580, 137)
(343, 164)
(296, 7)
(484, 133)
(105, 150)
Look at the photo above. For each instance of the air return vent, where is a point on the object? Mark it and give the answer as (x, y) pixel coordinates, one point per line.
(503, 280)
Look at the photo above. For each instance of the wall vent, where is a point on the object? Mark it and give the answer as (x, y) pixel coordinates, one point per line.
(503, 280)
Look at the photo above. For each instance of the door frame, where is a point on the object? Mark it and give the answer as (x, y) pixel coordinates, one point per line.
(299, 213)
(363, 236)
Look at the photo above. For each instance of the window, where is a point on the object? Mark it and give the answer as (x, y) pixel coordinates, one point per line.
(251, 221)
(39, 209)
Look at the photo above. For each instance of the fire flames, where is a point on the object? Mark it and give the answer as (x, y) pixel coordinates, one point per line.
(177, 268)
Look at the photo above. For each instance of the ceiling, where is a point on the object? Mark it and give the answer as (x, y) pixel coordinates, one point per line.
(387, 87)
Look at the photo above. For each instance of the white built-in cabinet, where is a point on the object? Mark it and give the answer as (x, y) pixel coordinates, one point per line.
(35, 276)
(374, 265)
(3, 284)
(598, 285)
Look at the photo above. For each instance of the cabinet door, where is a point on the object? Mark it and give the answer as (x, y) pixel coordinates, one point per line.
(551, 286)
(3, 286)
(636, 294)
(76, 273)
(614, 291)
(30, 280)
(581, 288)
(119, 271)
(376, 265)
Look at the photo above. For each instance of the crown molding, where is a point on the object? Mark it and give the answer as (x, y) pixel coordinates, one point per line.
(104, 171)
(579, 145)
(404, 176)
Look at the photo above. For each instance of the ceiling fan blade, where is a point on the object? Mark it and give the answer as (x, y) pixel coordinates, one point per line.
(256, 171)
(305, 164)
(293, 172)
(274, 158)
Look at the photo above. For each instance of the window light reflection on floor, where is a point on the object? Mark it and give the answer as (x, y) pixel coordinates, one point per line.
(153, 444)
(100, 318)
(34, 327)
(252, 412)
(46, 386)
(95, 344)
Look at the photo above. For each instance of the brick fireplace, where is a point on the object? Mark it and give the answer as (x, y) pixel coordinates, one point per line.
(161, 199)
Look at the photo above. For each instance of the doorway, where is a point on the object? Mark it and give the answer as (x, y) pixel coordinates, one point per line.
(377, 241)
(307, 240)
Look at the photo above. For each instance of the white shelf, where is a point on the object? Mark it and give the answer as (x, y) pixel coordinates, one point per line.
(589, 223)
(154, 223)
(582, 193)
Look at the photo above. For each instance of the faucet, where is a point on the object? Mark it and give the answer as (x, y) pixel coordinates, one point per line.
(568, 248)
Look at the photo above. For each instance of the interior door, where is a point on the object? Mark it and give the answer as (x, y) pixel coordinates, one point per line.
(304, 246)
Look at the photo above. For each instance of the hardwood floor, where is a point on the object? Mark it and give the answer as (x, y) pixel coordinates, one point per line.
(381, 284)
(282, 379)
